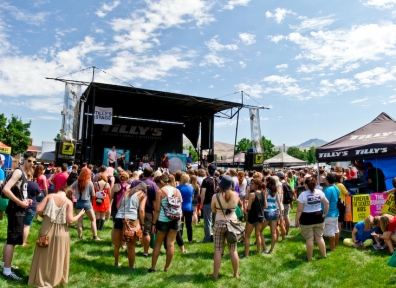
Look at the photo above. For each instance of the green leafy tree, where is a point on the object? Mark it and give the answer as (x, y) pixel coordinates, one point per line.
(15, 133)
(311, 157)
(243, 145)
(268, 147)
(297, 153)
(192, 151)
(58, 136)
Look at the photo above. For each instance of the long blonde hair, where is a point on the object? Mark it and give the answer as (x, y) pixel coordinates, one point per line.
(194, 182)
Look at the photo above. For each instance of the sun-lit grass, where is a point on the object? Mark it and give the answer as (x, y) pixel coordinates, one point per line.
(91, 265)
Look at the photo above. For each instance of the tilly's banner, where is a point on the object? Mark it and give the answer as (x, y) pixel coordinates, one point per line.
(389, 206)
(360, 207)
(377, 201)
(103, 115)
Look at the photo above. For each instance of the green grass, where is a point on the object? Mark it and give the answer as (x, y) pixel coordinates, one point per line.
(91, 265)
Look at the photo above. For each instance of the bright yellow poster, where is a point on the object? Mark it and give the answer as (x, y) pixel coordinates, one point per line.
(389, 206)
(360, 207)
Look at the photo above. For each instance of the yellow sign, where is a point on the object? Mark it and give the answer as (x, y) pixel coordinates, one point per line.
(360, 207)
(5, 150)
(389, 206)
(258, 159)
(67, 148)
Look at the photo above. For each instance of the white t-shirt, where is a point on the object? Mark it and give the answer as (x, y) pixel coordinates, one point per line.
(242, 188)
(312, 201)
(235, 179)
(111, 155)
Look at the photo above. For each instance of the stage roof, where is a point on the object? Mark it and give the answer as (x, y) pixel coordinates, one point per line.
(158, 105)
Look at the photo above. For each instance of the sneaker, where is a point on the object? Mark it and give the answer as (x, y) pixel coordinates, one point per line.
(185, 251)
(25, 245)
(145, 255)
(13, 276)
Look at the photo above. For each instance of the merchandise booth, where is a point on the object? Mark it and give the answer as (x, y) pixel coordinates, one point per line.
(375, 143)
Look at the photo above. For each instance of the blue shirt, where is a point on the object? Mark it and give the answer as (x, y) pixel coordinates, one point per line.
(362, 235)
(187, 192)
(332, 194)
(2, 178)
(189, 160)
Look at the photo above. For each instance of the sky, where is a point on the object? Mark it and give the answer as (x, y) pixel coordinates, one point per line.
(324, 68)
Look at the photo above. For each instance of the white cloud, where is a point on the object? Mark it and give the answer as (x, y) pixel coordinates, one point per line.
(350, 67)
(253, 90)
(99, 31)
(232, 3)
(106, 8)
(214, 59)
(379, 4)
(338, 48)
(225, 123)
(22, 15)
(359, 100)
(210, 86)
(247, 38)
(217, 75)
(243, 64)
(345, 85)
(47, 117)
(279, 14)
(215, 46)
(279, 79)
(317, 23)
(281, 67)
(376, 76)
(277, 38)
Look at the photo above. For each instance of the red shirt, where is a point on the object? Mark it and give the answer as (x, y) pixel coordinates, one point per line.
(60, 180)
(392, 225)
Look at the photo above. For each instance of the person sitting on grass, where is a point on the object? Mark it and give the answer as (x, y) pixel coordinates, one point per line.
(255, 209)
(361, 234)
(379, 243)
(388, 227)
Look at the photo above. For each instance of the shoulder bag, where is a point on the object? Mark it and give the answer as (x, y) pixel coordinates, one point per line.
(131, 230)
(235, 230)
(43, 241)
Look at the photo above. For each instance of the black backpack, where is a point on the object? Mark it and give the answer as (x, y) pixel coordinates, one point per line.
(287, 193)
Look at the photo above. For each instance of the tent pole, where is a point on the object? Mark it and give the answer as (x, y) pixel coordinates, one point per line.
(236, 133)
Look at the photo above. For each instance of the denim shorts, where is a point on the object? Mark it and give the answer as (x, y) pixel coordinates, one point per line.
(270, 215)
(41, 197)
(255, 223)
(29, 217)
(164, 227)
(83, 204)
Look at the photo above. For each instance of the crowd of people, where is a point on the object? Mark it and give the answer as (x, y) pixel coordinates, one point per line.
(61, 196)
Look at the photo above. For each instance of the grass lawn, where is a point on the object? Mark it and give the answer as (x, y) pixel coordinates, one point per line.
(91, 265)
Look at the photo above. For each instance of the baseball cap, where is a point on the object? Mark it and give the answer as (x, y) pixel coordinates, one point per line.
(212, 167)
(280, 174)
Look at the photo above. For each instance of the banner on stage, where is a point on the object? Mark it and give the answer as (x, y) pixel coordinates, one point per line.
(348, 209)
(389, 206)
(103, 115)
(360, 207)
(177, 162)
(377, 201)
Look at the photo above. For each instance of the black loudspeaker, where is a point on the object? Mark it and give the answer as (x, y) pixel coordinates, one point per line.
(206, 142)
(212, 158)
(254, 161)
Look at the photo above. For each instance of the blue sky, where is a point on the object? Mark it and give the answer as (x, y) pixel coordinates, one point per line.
(325, 68)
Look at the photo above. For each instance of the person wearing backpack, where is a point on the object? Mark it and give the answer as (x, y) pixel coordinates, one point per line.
(101, 200)
(288, 197)
(167, 214)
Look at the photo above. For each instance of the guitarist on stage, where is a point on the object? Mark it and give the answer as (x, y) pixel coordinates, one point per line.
(111, 157)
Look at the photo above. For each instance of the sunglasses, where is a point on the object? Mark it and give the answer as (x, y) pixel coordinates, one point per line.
(30, 161)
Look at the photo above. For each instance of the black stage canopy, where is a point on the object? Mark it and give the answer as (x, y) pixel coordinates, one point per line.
(175, 114)
(377, 139)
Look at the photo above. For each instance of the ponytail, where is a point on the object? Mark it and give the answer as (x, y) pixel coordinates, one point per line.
(311, 183)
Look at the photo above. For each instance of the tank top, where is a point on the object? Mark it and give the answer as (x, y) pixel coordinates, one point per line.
(164, 203)
(118, 196)
(256, 212)
(131, 207)
(271, 200)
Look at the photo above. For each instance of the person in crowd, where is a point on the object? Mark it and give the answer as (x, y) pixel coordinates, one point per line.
(84, 193)
(189, 160)
(165, 161)
(310, 216)
(207, 192)
(164, 227)
(172, 180)
(112, 157)
(38, 176)
(194, 184)
(101, 200)
(347, 173)
(229, 200)
(16, 191)
(73, 175)
(131, 207)
(379, 242)
(361, 233)
(60, 179)
(286, 207)
(332, 194)
(271, 214)
(50, 265)
(281, 208)
(102, 169)
(387, 232)
(149, 210)
(201, 176)
(343, 193)
(375, 177)
(33, 190)
(255, 218)
(242, 183)
(54, 172)
(187, 192)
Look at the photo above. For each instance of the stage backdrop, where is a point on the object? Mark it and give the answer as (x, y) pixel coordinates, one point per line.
(139, 137)
(119, 153)
(177, 162)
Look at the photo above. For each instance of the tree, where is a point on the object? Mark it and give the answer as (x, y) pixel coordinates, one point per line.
(243, 145)
(268, 147)
(296, 153)
(192, 151)
(15, 133)
(311, 155)
(58, 136)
